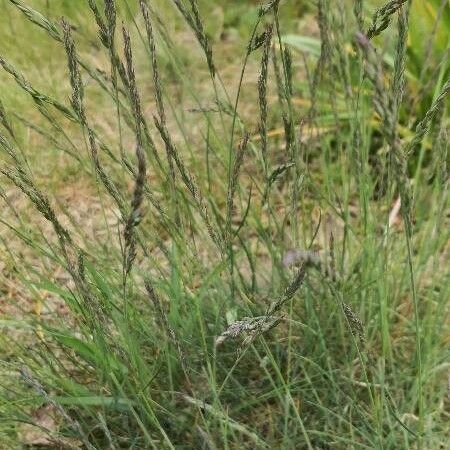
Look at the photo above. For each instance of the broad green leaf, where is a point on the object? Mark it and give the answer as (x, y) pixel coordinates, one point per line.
(305, 44)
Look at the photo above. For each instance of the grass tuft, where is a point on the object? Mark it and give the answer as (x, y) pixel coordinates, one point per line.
(224, 227)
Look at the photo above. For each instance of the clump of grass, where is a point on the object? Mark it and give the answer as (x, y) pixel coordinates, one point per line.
(339, 322)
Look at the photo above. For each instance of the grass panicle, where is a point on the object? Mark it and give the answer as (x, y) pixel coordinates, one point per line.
(358, 11)
(194, 20)
(282, 100)
(424, 125)
(74, 73)
(157, 83)
(253, 327)
(262, 93)
(41, 99)
(237, 165)
(135, 215)
(383, 16)
(111, 19)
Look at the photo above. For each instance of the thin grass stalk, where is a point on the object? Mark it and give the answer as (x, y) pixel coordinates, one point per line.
(105, 38)
(49, 136)
(398, 158)
(151, 292)
(373, 72)
(154, 62)
(289, 71)
(103, 30)
(5, 122)
(441, 167)
(23, 181)
(195, 22)
(215, 77)
(360, 156)
(104, 177)
(339, 23)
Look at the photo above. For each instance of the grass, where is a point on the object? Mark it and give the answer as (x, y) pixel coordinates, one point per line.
(224, 229)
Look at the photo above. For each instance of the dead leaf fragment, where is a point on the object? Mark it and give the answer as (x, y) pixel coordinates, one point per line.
(42, 431)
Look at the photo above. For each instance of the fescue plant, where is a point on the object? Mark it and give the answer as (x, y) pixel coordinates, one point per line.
(212, 240)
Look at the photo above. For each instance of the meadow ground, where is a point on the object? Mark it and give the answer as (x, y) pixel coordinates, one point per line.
(225, 224)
